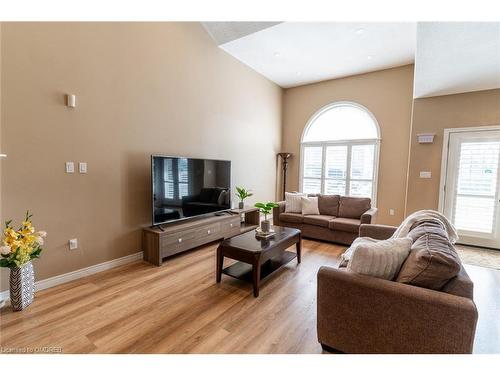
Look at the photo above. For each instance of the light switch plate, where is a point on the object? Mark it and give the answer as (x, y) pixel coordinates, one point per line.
(73, 244)
(391, 211)
(82, 167)
(425, 174)
(70, 167)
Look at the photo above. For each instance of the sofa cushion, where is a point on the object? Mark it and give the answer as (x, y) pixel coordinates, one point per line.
(381, 259)
(328, 204)
(345, 224)
(433, 261)
(352, 207)
(291, 217)
(319, 220)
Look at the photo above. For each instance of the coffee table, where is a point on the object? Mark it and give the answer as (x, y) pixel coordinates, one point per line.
(257, 258)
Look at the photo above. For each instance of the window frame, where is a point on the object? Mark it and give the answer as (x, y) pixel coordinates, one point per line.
(347, 142)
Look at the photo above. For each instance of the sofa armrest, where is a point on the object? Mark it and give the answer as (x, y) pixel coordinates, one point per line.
(363, 314)
(369, 216)
(277, 211)
(376, 231)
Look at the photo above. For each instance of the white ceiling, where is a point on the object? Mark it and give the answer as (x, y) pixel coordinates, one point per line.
(296, 53)
(450, 57)
(224, 32)
(455, 57)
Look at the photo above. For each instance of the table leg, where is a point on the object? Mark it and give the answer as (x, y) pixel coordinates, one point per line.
(220, 262)
(298, 246)
(256, 277)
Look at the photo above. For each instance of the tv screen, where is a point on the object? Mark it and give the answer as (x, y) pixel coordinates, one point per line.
(185, 187)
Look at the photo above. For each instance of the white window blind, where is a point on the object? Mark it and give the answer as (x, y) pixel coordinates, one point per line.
(476, 186)
(313, 165)
(336, 170)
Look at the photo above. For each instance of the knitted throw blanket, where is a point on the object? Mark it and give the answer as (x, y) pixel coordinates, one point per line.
(424, 215)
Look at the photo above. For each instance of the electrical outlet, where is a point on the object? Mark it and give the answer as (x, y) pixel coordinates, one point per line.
(73, 244)
(70, 167)
(391, 211)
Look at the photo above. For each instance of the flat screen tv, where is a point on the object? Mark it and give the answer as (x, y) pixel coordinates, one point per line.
(184, 187)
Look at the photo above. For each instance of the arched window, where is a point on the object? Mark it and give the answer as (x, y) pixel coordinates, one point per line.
(339, 152)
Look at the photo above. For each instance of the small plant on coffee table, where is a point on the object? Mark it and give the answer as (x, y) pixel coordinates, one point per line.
(266, 209)
(242, 194)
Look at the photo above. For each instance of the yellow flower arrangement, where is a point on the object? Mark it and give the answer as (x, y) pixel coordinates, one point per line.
(20, 246)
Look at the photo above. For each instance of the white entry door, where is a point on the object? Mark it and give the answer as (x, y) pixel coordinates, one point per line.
(471, 186)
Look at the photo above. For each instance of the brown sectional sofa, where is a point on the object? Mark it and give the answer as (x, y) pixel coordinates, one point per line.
(364, 314)
(339, 219)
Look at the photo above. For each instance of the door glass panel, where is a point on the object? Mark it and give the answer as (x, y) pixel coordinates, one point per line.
(478, 168)
(476, 186)
(475, 214)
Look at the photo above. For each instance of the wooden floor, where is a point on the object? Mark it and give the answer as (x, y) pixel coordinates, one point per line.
(178, 308)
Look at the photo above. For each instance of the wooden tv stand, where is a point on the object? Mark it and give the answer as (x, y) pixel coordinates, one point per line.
(175, 238)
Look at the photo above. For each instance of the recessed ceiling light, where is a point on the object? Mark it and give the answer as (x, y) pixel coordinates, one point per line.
(369, 57)
(277, 54)
(360, 31)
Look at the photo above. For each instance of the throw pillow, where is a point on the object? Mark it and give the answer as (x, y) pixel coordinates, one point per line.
(381, 259)
(346, 256)
(293, 204)
(309, 205)
(222, 198)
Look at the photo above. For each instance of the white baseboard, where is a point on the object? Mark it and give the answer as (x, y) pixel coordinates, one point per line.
(70, 276)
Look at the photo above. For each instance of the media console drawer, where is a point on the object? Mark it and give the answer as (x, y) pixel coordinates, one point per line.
(208, 231)
(231, 227)
(177, 238)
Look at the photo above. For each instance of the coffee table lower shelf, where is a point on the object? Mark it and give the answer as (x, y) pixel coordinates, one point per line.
(243, 271)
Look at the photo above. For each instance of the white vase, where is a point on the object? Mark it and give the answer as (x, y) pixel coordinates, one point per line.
(265, 225)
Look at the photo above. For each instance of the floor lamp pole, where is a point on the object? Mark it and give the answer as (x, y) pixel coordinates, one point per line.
(285, 156)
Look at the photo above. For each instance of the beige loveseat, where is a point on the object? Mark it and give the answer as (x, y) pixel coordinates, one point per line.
(339, 219)
(427, 308)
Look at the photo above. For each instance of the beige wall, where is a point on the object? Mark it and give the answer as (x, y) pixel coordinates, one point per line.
(388, 95)
(433, 115)
(141, 89)
(2, 160)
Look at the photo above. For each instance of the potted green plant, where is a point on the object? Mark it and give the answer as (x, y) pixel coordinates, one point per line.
(242, 194)
(265, 208)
